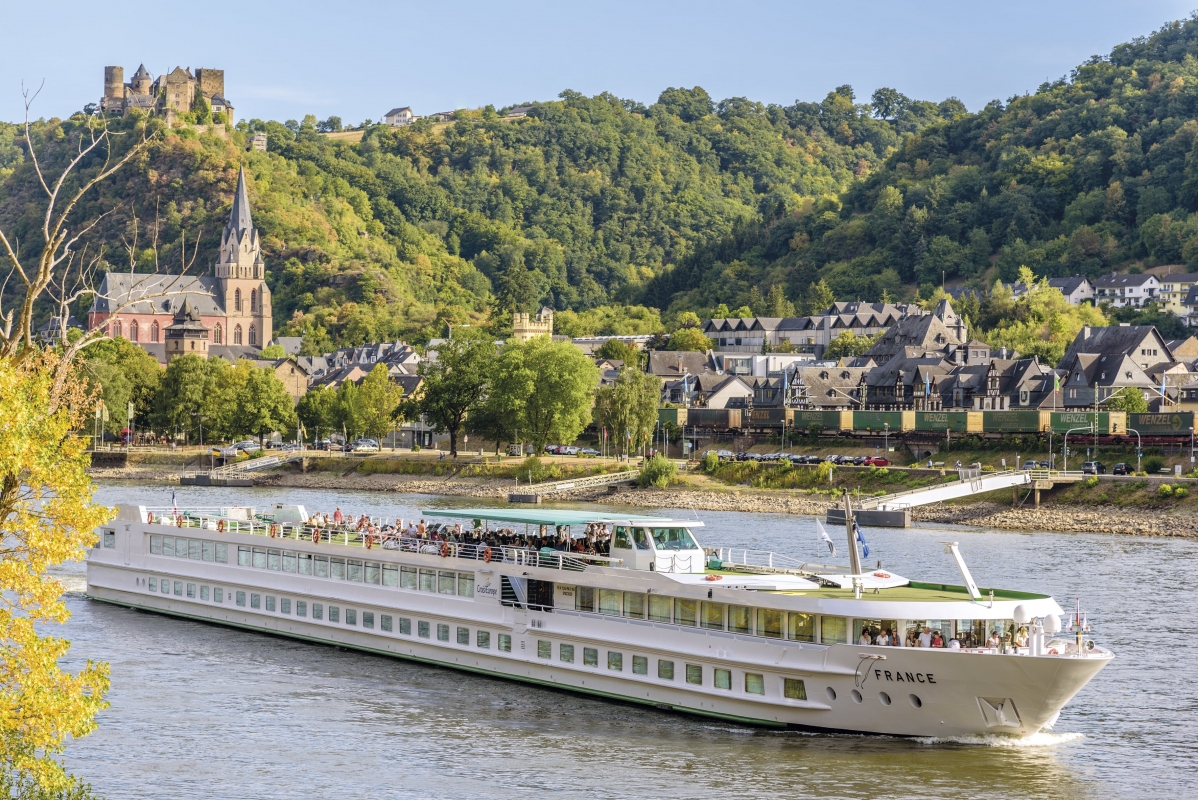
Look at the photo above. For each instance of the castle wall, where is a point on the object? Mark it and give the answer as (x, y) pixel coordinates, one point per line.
(211, 81)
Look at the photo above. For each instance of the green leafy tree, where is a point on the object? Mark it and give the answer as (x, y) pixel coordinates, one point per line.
(273, 351)
(1128, 399)
(627, 409)
(850, 345)
(616, 350)
(549, 386)
(456, 384)
(315, 410)
(183, 400)
(348, 414)
(379, 399)
(819, 297)
(1039, 322)
(125, 373)
(264, 406)
(690, 339)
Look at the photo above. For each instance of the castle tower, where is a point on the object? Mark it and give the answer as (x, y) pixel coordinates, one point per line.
(114, 84)
(242, 274)
(525, 327)
(141, 80)
(187, 335)
(211, 82)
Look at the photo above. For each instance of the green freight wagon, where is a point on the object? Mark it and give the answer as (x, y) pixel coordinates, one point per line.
(719, 419)
(1177, 423)
(767, 418)
(877, 421)
(1020, 421)
(672, 416)
(942, 421)
(1108, 422)
(826, 420)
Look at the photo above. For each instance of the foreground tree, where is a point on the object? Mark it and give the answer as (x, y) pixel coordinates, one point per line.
(627, 409)
(456, 384)
(315, 410)
(548, 387)
(379, 399)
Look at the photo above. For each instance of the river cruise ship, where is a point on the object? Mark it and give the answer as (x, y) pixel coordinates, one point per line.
(624, 607)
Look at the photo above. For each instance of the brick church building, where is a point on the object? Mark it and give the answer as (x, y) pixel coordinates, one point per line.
(233, 303)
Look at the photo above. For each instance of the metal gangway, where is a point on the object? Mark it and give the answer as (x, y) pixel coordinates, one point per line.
(254, 464)
(970, 481)
(589, 482)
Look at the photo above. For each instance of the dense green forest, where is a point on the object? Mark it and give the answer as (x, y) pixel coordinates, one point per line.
(621, 216)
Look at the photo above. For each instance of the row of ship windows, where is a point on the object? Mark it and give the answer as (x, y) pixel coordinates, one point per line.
(754, 683)
(766, 622)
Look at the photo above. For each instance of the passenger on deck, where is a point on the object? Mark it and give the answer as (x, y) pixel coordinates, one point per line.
(883, 639)
(954, 643)
(1021, 637)
(420, 529)
(937, 639)
(925, 638)
(995, 640)
(864, 639)
(338, 518)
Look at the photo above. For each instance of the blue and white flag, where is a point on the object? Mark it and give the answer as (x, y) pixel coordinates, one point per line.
(860, 539)
(927, 380)
(825, 538)
(1164, 386)
(173, 504)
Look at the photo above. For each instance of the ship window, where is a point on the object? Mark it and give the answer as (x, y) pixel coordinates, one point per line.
(195, 549)
(354, 570)
(317, 611)
(769, 623)
(405, 626)
(407, 577)
(483, 639)
(209, 551)
(255, 601)
(665, 670)
(566, 653)
(321, 566)
(390, 575)
(351, 616)
(713, 616)
(273, 559)
(371, 573)
(168, 545)
(288, 561)
(802, 627)
(609, 602)
(754, 684)
(740, 619)
(694, 674)
(191, 590)
(465, 584)
(684, 612)
(337, 568)
(833, 630)
(634, 605)
(464, 636)
(659, 608)
(301, 608)
(447, 582)
(166, 587)
(385, 622)
(178, 588)
(615, 661)
(180, 548)
(544, 649)
(590, 657)
(260, 558)
(222, 553)
(241, 599)
(673, 539)
(584, 599)
(640, 665)
(153, 584)
(270, 603)
(442, 632)
(218, 595)
(428, 580)
(505, 643)
(334, 613)
(303, 563)
(203, 592)
(155, 545)
(723, 679)
(284, 605)
(793, 689)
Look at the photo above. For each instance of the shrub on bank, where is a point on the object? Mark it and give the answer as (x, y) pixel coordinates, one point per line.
(658, 471)
(711, 462)
(1181, 492)
(1165, 490)
(1152, 464)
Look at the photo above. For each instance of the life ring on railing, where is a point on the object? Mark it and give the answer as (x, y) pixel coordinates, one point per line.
(316, 536)
(178, 520)
(369, 541)
(273, 532)
(881, 574)
(150, 517)
(487, 554)
(714, 578)
(444, 550)
(220, 526)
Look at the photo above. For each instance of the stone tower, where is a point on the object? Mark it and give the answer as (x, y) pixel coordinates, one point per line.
(242, 275)
(114, 86)
(525, 327)
(187, 335)
(141, 81)
(211, 81)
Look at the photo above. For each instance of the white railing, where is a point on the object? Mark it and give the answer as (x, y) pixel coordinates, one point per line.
(761, 559)
(552, 487)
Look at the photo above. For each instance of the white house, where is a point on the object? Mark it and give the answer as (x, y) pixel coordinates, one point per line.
(1077, 290)
(398, 117)
(1127, 290)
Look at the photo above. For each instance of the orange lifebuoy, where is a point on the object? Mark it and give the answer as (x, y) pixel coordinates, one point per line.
(881, 574)
(150, 516)
(714, 577)
(178, 520)
(274, 531)
(444, 549)
(369, 541)
(487, 554)
(316, 536)
(220, 526)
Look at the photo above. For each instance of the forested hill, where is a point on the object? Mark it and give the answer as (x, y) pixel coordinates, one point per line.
(621, 215)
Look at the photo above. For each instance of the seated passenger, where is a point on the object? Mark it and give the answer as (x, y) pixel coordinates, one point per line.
(883, 639)
(863, 639)
(937, 639)
(995, 640)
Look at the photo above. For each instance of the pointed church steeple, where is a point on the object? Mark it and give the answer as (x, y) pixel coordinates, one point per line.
(239, 216)
(240, 250)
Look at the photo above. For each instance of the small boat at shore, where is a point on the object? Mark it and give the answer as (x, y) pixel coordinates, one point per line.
(626, 607)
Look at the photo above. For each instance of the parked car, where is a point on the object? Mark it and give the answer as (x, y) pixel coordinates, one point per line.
(877, 461)
(587, 452)
(1120, 469)
(567, 450)
(248, 446)
(365, 446)
(1093, 468)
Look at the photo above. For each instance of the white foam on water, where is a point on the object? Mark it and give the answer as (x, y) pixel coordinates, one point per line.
(73, 584)
(1041, 739)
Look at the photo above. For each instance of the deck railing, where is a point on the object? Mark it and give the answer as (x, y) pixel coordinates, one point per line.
(761, 559)
(351, 536)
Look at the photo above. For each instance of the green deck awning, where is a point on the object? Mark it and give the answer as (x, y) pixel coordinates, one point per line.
(553, 516)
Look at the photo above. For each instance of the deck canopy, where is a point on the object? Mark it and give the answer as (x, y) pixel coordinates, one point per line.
(556, 516)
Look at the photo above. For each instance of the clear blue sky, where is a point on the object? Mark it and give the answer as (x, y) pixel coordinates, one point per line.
(359, 59)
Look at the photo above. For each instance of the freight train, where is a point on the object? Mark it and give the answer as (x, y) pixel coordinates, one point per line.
(1112, 424)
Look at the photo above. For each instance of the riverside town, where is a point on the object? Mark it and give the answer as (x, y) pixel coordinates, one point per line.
(808, 446)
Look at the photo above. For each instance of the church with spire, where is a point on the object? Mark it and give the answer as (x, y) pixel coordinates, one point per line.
(226, 313)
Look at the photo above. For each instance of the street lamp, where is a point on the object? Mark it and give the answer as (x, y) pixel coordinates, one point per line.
(886, 438)
(1140, 445)
(1071, 430)
(1191, 447)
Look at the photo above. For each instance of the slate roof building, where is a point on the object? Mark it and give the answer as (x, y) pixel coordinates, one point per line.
(1102, 361)
(1126, 290)
(1077, 290)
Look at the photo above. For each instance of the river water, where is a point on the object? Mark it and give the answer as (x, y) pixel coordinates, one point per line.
(202, 711)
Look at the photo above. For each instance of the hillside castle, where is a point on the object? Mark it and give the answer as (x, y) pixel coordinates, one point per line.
(176, 92)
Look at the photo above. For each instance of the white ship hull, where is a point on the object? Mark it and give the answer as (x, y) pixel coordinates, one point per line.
(911, 692)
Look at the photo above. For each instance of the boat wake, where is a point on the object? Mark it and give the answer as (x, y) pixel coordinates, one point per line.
(1042, 739)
